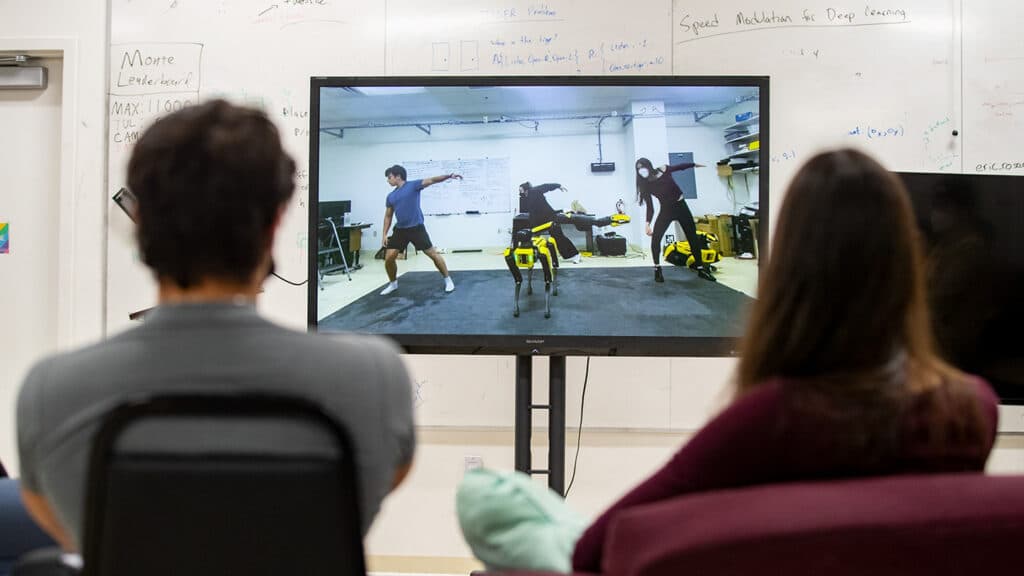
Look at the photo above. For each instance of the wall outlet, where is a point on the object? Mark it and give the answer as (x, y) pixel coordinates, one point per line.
(473, 462)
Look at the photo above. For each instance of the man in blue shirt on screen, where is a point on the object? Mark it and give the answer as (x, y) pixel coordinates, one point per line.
(403, 204)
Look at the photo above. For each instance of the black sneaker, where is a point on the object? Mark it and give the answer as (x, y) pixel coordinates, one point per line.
(703, 273)
(658, 277)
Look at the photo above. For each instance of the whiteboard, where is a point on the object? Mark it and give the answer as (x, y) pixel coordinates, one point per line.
(896, 84)
(484, 186)
(993, 86)
(844, 73)
(528, 37)
(169, 54)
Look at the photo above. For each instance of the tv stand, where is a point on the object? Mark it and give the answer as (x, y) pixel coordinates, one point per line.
(556, 420)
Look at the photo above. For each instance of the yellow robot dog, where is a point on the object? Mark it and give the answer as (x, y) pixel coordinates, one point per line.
(680, 253)
(528, 246)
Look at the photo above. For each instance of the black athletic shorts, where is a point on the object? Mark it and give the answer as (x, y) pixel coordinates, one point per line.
(401, 237)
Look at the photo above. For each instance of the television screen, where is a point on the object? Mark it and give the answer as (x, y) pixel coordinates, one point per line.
(973, 226)
(551, 215)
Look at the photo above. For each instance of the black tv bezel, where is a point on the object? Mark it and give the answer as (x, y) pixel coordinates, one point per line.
(681, 346)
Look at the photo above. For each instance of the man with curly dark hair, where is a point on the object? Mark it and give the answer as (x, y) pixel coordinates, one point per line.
(212, 183)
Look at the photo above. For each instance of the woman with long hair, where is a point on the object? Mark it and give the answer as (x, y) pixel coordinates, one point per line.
(838, 375)
(658, 183)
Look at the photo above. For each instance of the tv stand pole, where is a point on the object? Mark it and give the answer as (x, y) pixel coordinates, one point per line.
(556, 420)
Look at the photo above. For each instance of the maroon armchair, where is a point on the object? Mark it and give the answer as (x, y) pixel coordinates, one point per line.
(898, 525)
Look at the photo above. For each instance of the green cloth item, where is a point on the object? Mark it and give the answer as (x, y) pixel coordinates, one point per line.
(513, 523)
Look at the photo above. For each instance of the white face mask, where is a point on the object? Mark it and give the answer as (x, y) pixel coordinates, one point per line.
(643, 172)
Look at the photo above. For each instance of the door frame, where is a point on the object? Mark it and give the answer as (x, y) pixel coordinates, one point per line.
(71, 278)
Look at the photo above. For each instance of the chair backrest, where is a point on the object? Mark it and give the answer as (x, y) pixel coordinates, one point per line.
(238, 484)
(898, 525)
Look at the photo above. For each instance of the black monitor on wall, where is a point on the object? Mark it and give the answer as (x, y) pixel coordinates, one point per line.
(499, 133)
(973, 230)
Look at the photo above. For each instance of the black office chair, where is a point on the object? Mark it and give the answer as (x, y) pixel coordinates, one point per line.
(185, 485)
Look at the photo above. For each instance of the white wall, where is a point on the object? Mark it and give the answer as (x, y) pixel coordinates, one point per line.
(559, 151)
(80, 28)
(713, 193)
(633, 422)
(353, 168)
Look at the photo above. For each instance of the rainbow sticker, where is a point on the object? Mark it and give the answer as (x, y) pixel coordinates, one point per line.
(5, 241)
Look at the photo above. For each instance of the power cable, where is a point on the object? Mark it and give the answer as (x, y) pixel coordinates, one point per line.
(579, 432)
(287, 281)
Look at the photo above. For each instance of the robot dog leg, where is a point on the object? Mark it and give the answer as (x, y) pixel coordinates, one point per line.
(547, 250)
(510, 261)
(548, 268)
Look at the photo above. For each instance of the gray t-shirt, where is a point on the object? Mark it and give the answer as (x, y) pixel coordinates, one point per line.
(216, 347)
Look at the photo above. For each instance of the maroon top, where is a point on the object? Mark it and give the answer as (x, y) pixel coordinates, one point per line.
(664, 188)
(761, 438)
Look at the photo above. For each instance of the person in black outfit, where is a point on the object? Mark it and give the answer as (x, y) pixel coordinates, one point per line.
(658, 183)
(536, 205)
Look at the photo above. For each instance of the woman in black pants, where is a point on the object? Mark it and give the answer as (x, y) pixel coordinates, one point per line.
(658, 183)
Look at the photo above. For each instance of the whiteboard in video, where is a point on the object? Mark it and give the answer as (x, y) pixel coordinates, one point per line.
(484, 187)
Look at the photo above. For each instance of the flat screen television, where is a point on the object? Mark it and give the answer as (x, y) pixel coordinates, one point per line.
(546, 168)
(973, 230)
